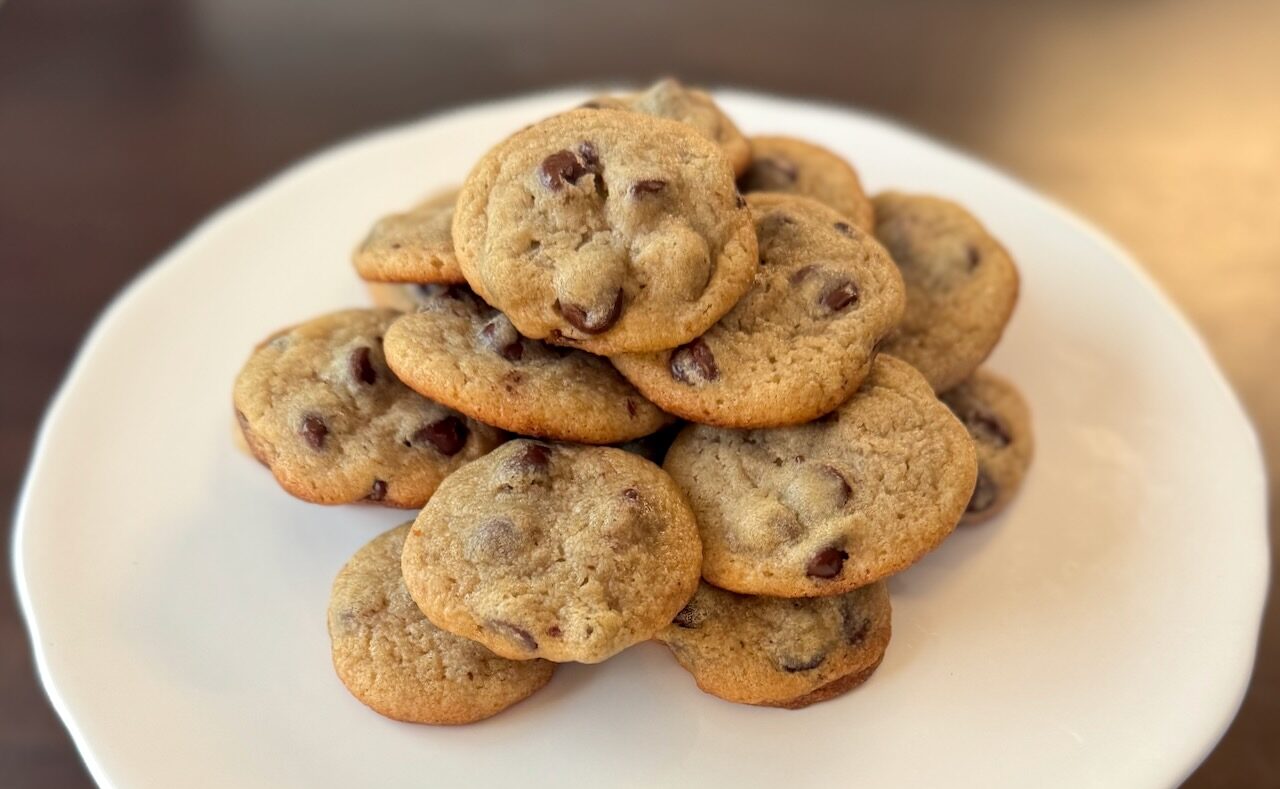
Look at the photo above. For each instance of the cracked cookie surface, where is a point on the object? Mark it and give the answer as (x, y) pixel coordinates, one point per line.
(412, 246)
(780, 652)
(462, 353)
(606, 230)
(999, 421)
(563, 552)
(799, 342)
(832, 505)
(961, 285)
(399, 664)
(791, 166)
(318, 405)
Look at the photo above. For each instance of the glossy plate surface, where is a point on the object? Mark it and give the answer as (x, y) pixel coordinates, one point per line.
(1099, 633)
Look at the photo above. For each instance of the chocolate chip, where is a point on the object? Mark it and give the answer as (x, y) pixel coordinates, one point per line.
(690, 617)
(693, 363)
(590, 156)
(314, 430)
(590, 105)
(361, 366)
(448, 435)
(554, 631)
(792, 665)
(518, 634)
(649, 186)
(533, 457)
(589, 321)
(632, 495)
(631, 408)
(841, 295)
(843, 490)
(844, 228)
(559, 168)
(379, 491)
(826, 563)
(974, 257)
(984, 493)
(499, 336)
(987, 428)
(855, 628)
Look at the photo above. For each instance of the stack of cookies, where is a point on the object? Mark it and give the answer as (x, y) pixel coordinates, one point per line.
(645, 378)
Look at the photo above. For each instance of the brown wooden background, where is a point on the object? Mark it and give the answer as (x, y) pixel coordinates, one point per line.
(123, 122)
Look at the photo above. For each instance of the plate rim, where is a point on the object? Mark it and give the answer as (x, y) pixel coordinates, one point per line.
(158, 267)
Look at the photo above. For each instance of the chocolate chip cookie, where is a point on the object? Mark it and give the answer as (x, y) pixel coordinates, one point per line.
(462, 353)
(1000, 423)
(822, 508)
(780, 652)
(668, 98)
(319, 407)
(801, 340)
(605, 230)
(402, 666)
(413, 246)
(791, 166)
(961, 285)
(554, 551)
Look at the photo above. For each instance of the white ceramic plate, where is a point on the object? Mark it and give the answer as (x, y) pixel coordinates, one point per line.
(1101, 633)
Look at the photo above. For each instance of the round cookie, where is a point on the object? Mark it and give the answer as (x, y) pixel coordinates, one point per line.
(667, 98)
(780, 652)
(791, 166)
(399, 664)
(1000, 423)
(554, 551)
(822, 508)
(318, 406)
(461, 352)
(413, 246)
(605, 230)
(961, 285)
(801, 340)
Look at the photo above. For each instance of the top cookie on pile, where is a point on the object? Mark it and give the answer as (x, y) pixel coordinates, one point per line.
(606, 230)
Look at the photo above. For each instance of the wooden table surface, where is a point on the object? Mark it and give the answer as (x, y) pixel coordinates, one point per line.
(123, 123)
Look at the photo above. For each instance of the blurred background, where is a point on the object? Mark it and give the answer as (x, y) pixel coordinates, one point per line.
(124, 122)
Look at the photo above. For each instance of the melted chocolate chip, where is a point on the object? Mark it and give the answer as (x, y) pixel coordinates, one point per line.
(791, 665)
(502, 340)
(650, 186)
(554, 631)
(517, 634)
(362, 366)
(840, 296)
(693, 363)
(591, 322)
(844, 228)
(378, 492)
(855, 628)
(590, 156)
(534, 457)
(313, 430)
(560, 168)
(984, 495)
(826, 563)
(987, 428)
(448, 435)
(843, 490)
